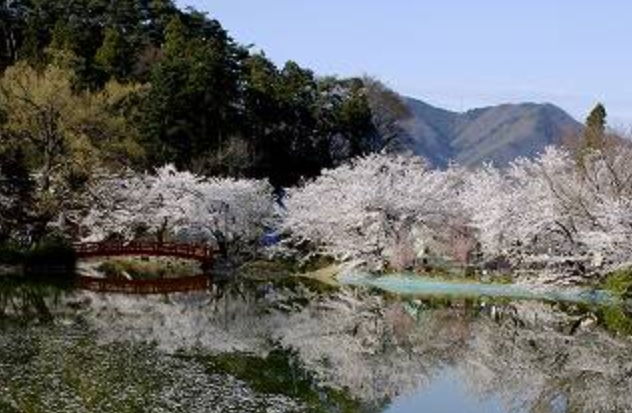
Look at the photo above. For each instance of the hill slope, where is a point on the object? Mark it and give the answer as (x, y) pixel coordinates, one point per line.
(498, 133)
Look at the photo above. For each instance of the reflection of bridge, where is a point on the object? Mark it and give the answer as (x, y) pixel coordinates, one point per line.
(202, 254)
(158, 286)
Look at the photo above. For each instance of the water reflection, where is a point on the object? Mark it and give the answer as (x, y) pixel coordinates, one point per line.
(446, 394)
(387, 353)
(28, 300)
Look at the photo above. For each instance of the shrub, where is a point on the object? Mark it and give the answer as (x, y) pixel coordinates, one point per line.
(54, 255)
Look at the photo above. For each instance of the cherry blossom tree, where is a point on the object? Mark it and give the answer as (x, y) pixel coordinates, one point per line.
(385, 211)
(372, 209)
(551, 209)
(180, 205)
(518, 212)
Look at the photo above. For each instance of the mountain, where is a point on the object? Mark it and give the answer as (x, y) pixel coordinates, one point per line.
(498, 133)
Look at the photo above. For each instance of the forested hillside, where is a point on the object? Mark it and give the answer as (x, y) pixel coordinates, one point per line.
(102, 84)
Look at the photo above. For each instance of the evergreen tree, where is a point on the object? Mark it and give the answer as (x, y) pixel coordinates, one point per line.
(193, 105)
(63, 37)
(31, 50)
(158, 14)
(210, 104)
(261, 115)
(17, 191)
(595, 128)
(355, 123)
(9, 28)
(175, 39)
(115, 56)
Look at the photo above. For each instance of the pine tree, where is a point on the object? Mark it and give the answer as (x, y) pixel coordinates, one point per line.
(115, 56)
(8, 41)
(595, 129)
(30, 49)
(175, 38)
(16, 193)
(63, 37)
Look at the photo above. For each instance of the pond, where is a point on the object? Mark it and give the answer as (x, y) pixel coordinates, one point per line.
(294, 345)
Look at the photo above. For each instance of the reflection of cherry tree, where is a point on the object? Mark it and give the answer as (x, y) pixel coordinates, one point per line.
(538, 359)
(532, 355)
(348, 340)
(372, 348)
(181, 321)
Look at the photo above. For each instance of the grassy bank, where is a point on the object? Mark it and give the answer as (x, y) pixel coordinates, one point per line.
(144, 268)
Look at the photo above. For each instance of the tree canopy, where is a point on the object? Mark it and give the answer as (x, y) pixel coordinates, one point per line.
(203, 101)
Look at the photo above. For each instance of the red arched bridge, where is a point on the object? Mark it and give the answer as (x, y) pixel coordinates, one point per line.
(195, 252)
(203, 254)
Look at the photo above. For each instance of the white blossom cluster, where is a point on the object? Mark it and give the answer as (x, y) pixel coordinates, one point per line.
(390, 210)
(181, 205)
(552, 209)
(371, 209)
(555, 208)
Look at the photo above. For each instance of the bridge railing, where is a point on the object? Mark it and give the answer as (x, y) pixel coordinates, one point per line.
(112, 248)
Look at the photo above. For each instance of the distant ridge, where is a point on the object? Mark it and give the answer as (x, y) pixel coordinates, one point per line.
(495, 134)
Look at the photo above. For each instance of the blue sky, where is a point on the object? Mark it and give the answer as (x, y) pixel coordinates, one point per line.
(451, 53)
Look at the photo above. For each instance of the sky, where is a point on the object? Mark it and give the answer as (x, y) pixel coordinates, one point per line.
(456, 54)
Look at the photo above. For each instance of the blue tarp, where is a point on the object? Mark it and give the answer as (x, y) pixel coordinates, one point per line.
(417, 285)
